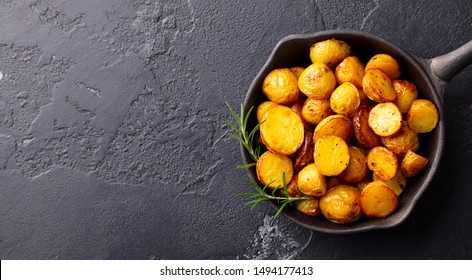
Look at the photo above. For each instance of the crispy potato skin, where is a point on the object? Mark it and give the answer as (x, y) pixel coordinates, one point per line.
(357, 169)
(382, 162)
(281, 86)
(378, 200)
(397, 184)
(271, 166)
(329, 52)
(315, 110)
(406, 94)
(386, 63)
(304, 155)
(412, 164)
(292, 187)
(317, 81)
(385, 119)
(331, 155)
(263, 108)
(378, 86)
(341, 204)
(278, 121)
(297, 70)
(402, 141)
(350, 70)
(345, 99)
(337, 125)
(423, 116)
(310, 207)
(311, 182)
(362, 131)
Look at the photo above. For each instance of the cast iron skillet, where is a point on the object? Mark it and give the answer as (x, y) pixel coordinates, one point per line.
(429, 75)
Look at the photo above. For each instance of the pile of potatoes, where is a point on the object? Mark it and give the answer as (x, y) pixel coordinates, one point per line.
(343, 134)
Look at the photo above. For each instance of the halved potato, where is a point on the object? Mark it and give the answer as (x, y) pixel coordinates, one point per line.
(329, 52)
(350, 70)
(310, 207)
(423, 116)
(331, 155)
(378, 200)
(337, 125)
(311, 182)
(412, 164)
(385, 119)
(341, 204)
(378, 86)
(282, 130)
(362, 131)
(357, 169)
(386, 63)
(382, 162)
(304, 155)
(297, 70)
(281, 86)
(317, 81)
(263, 108)
(406, 94)
(345, 99)
(270, 168)
(315, 110)
(402, 141)
(397, 184)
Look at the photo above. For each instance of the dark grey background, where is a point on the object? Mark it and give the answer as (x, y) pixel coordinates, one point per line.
(113, 142)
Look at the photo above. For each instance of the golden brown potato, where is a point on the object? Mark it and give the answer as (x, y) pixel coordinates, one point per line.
(423, 116)
(382, 162)
(378, 86)
(263, 108)
(397, 184)
(331, 155)
(337, 125)
(412, 164)
(270, 167)
(350, 70)
(297, 70)
(406, 94)
(317, 81)
(362, 131)
(357, 169)
(282, 130)
(333, 182)
(329, 52)
(310, 207)
(281, 86)
(386, 63)
(315, 110)
(385, 119)
(341, 204)
(311, 182)
(304, 155)
(292, 187)
(378, 200)
(345, 99)
(402, 141)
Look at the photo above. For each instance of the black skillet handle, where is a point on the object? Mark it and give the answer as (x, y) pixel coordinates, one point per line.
(448, 65)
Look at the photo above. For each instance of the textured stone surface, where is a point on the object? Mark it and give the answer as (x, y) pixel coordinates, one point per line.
(113, 141)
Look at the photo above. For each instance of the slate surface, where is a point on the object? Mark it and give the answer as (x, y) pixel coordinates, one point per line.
(113, 142)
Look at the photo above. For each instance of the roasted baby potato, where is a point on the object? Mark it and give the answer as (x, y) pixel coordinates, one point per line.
(402, 141)
(406, 94)
(315, 110)
(378, 86)
(341, 204)
(329, 52)
(382, 162)
(350, 70)
(337, 125)
(297, 70)
(310, 207)
(263, 108)
(317, 81)
(357, 169)
(331, 155)
(386, 63)
(304, 155)
(412, 164)
(292, 187)
(378, 200)
(271, 166)
(423, 116)
(281, 86)
(397, 184)
(362, 131)
(385, 119)
(311, 182)
(279, 121)
(345, 99)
